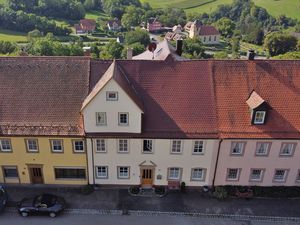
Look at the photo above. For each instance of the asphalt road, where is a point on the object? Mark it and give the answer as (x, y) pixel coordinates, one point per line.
(11, 218)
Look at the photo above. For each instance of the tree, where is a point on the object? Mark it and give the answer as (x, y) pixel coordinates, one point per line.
(193, 48)
(7, 47)
(225, 26)
(112, 50)
(137, 35)
(172, 16)
(288, 55)
(132, 17)
(235, 47)
(277, 43)
(34, 34)
(137, 48)
(221, 55)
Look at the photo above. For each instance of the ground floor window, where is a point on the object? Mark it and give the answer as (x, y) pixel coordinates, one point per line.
(198, 174)
(174, 173)
(102, 172)
(280, 175)
(123, 172)
(233, 174)
(69, 173)
(10, 172)
(256, 175)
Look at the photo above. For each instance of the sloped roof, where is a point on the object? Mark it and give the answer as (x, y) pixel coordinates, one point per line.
(254, 100)
(116, 73)
(277, 82)
(88, 24)
(178, 97)
(208, 30)
(42, 95)
(162, 51)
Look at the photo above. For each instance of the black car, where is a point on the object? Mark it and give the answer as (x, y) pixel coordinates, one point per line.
(3, 198)
(42, 204)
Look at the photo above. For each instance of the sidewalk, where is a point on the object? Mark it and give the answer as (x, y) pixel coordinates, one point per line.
(190, 202)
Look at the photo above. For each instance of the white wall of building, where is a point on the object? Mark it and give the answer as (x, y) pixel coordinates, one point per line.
(124, 104)
(210, 39)
(161, 157)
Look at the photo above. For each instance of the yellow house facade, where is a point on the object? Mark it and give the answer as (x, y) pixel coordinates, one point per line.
(43, 160)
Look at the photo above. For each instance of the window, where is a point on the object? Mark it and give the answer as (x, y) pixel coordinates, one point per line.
(147, 146)
(259, 117)
(174, 173)
(100, 118)
(287, 149)
(237, 148)
(111, 96)
(209, 38)
(176, 146)
(123, 119)
(298, 176)
(233, 174)
(32, 145)
(204, 39)
(198, 174)
(100, 145)
(69, 173)
(256, 175)
(198, 147)
(215, 38)
(57, 145)
(123, 172)
(10, 172)
(78, 146)
(123, 145)
(102, 172)
(280, 175)
(262, 148)
(5, 145)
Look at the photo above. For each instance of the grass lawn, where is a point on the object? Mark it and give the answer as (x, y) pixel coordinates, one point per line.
(209, 7)
(8, 35)
(183, 4)
(290, 8)
(244, 46)
(93, 14)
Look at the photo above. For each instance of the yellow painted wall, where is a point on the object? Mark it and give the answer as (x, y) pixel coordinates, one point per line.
(21, 158)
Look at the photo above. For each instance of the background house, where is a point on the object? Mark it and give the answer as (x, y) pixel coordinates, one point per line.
(85, 26)
(208, 34)
(153, 25)
(114, 25)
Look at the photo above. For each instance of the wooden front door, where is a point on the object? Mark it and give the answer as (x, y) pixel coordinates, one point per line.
(147, 177)
(36, 175)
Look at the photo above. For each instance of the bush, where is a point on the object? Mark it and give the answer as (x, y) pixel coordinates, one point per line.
(182, 187)
(160, 190)
(276, 192)
(220, 193)
(135, 190)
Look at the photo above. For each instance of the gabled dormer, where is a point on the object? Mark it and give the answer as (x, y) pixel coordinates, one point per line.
(113, 106)
(258, 108)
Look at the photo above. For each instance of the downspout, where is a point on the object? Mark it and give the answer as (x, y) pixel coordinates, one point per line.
(217, 162)
(93, 163)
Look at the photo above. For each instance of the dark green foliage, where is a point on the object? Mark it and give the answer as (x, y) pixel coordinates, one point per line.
(138, 35)
(112, 50)
(220, 193)
(116, 8)
(135, 190)
(225, 26)
(173, 16)
(193, 48)
(277, 43)
(160, 190)
(7, 47)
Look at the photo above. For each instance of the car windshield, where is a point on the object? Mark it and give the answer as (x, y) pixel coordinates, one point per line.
(45, 200)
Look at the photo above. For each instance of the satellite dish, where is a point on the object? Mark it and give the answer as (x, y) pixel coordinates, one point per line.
(152, 46)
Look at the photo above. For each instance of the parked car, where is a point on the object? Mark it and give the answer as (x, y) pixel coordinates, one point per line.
(47, 204)
(3, 198)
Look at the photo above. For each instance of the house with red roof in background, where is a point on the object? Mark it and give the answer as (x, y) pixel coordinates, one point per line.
(207, 33)
(85, 26)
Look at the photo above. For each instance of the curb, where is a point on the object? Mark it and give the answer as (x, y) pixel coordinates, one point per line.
(158, 213)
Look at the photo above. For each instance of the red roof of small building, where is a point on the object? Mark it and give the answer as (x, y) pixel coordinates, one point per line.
(88, 24)
(208, 30)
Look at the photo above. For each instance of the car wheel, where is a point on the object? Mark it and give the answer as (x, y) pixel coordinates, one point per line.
(52, 214)
(24, 214)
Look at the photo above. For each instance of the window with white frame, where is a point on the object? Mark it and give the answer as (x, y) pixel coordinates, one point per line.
(111, 96)
(57, 145)
(123, 119)
(280, 175)
(78, 145)
(32, 145)
(100, 118)
(198, 147)
(147, 146)
(176, 146)
(198, 174)
(174, 173)
(256, 175)
(123, 145)
(10, 172)
(287, 149)
(102, 172)
(262, 148)
(233, 174)
(123, 172)
(259, 117)
(100, 145)
(5, 145)
(298, 176)
(237, 148)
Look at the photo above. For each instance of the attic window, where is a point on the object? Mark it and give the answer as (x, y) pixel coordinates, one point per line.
(259, 117)
(111, 96)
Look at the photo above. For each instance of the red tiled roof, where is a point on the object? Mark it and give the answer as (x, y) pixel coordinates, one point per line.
(254, 100)
(277, 82)
(88, 24)
(178, 96)
(208, 30)
(42, 95)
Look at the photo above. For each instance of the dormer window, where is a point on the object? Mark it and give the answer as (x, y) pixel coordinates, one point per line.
(258, 107)
(111, 96)
(259, 117)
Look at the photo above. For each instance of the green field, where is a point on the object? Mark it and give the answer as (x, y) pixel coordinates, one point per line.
(95, 15)
(182, 4)
(209, 7)
(8, 35)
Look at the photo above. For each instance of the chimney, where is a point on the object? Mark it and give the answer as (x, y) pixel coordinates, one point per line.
(179, 44)
(250, 54)
(129, 53)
